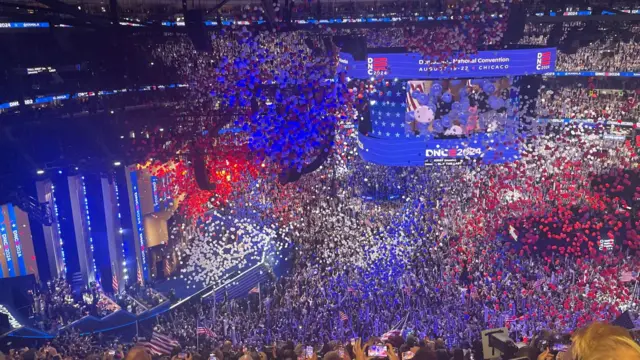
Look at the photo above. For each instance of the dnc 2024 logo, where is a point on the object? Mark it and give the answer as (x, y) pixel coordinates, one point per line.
(378, 66)
(544, 61)
(453, 152)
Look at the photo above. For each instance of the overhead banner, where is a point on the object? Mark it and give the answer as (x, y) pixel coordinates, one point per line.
(483, 64)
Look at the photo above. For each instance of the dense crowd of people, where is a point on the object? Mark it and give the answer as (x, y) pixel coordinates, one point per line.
(55, 305)
(611, 53)
(421, 259)
(584, 103)
(609, 49)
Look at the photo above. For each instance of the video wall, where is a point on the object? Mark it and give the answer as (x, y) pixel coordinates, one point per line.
(424, 111)
(448, 121)
(461, 107)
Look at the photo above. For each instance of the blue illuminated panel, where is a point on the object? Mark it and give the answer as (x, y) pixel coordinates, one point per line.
(6, 247)
(24, 25)
(139, 226)
(482, 64)
(156, 196)
(16, 239)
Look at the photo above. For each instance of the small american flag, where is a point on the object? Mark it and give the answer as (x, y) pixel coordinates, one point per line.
(511, 319)
(167, 267)
(201, 330)
(343, 316)
(140, 275)
(114, 283)
(255, 290)
(390, 334)
(160, 344)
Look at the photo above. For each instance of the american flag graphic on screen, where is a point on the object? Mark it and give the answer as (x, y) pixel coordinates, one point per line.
(420, 86)
(388, 109)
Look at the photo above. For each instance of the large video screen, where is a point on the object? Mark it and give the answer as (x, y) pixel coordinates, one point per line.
(459, 108)
(440, 121)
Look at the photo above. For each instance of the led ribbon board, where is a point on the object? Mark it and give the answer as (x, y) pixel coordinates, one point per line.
(483, 64)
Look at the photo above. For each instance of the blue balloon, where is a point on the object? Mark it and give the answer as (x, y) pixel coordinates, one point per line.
(389, 93)
(495, 102)
(447, 97)
(416, 94)
(457, 106)
(410, 116)
(437, 126)
(489, 88)
(456, 82)
(446, 121)
(436, 88)
(478, 82)
(423, 99)
(463, 93)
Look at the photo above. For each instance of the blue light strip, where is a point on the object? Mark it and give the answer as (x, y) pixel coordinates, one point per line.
(138, 213)
(390, 18)
(9, 104)
(154, 191)
(16, 239)
(55, 213)
(48, 99)
(6, 246)
(343, 20)
(86, 211)
(24, 25)
(595, 73)
(84, 94)
(124, 252)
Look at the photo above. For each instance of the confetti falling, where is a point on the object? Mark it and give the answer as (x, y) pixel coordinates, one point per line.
(452, 250)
